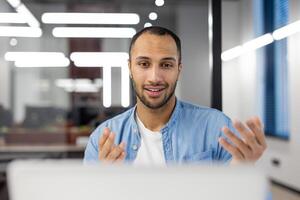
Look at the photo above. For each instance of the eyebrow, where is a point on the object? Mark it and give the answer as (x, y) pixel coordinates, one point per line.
(147, 58)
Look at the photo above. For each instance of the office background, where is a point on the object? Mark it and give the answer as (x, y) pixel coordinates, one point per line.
(57, 107)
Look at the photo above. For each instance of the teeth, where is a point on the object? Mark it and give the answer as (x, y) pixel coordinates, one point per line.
(154, 90)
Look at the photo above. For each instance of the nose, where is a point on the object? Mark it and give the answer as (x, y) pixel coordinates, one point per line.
(155, 75)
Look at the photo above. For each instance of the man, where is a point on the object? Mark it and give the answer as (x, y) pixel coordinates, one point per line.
(161, 129)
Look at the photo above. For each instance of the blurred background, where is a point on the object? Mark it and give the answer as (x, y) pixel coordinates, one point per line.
(63, 71)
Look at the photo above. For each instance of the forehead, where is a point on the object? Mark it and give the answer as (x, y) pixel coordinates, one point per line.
(149, 45)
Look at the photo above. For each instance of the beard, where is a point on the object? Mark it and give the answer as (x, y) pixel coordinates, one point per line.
(164, 101)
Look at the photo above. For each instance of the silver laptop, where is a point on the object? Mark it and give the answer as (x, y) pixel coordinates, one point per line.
(65, 180)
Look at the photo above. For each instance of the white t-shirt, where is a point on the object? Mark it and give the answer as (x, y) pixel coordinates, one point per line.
(151, 149)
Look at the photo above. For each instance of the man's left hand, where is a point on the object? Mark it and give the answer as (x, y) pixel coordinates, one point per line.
(251, 145)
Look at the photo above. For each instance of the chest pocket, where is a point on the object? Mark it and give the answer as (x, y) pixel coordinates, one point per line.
(201, 157)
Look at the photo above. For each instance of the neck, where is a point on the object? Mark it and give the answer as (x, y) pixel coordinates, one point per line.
(155, 119)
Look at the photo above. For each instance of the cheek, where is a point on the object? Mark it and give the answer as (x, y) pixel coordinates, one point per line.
(172, 77)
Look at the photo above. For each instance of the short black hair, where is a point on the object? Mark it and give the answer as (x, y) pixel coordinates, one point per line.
(160, 31)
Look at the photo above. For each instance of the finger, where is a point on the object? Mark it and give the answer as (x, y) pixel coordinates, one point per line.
(107, 146)
(115, 152)
(249, 137)
(257, 120)
(243, 147)
(231, 149)
(259, 133)
(121, 157)
(104, 137)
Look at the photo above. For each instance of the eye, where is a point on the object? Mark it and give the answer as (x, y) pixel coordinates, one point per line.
(167, 65)
(143, 64)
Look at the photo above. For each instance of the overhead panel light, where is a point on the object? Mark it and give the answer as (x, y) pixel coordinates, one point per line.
(232, 53)
(79, 85)
(125, 87)
(14, 3)
(107, 86)
(106, 60)
(28, 16)
(99, 59)
(13, 42)
(247, 47)
(287, 30)
(261, 41)
(12, 18)
(37, 59)
(258, 42)
(93, 32)
(147, 24)
(90, 18)
(159, 3)
(65, 62)
(19, 31)
(14, 56)
(153, 16)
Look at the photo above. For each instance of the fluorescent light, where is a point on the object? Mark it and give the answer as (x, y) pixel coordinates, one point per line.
(106, 86)
(232, 53)
(37, 59)
(107, 60)
(28, 16)
(153, 16)
(286, 30)
(125, 86)
(258, 42)
(79, 85)
(99, 59)
(43, 63)
(147, 24)
(14, 56)
(19, 31)
(13, 42)
(90, 18)
(261, 41)
(93, 32)
(159, 2)
(14, 3)
(246, 47)
(12, 18)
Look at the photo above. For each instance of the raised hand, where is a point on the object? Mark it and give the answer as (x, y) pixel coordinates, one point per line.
(251, 145)
(108, 151)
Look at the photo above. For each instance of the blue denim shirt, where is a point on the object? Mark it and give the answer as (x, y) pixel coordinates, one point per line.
(191, 135)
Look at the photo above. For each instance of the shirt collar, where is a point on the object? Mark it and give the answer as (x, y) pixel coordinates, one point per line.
(174, 116)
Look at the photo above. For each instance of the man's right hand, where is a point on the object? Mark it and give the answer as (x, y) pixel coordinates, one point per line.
(108, 151)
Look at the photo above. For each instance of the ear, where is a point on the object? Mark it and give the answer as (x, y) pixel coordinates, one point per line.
(179, 67)
(179, 70)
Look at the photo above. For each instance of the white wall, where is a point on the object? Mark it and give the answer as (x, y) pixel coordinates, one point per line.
(240, 78)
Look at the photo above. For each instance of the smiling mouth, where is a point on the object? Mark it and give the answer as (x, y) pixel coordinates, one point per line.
(154, 89)
(154, 92)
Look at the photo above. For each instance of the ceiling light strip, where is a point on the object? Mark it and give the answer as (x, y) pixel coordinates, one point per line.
(12, 18)
(19, 31)
(93, 32)
(90, 18)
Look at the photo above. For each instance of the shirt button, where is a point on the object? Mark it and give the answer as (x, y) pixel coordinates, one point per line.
(134, 147)
(134, 130)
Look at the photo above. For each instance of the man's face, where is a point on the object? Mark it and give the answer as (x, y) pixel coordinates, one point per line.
(155, 68)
